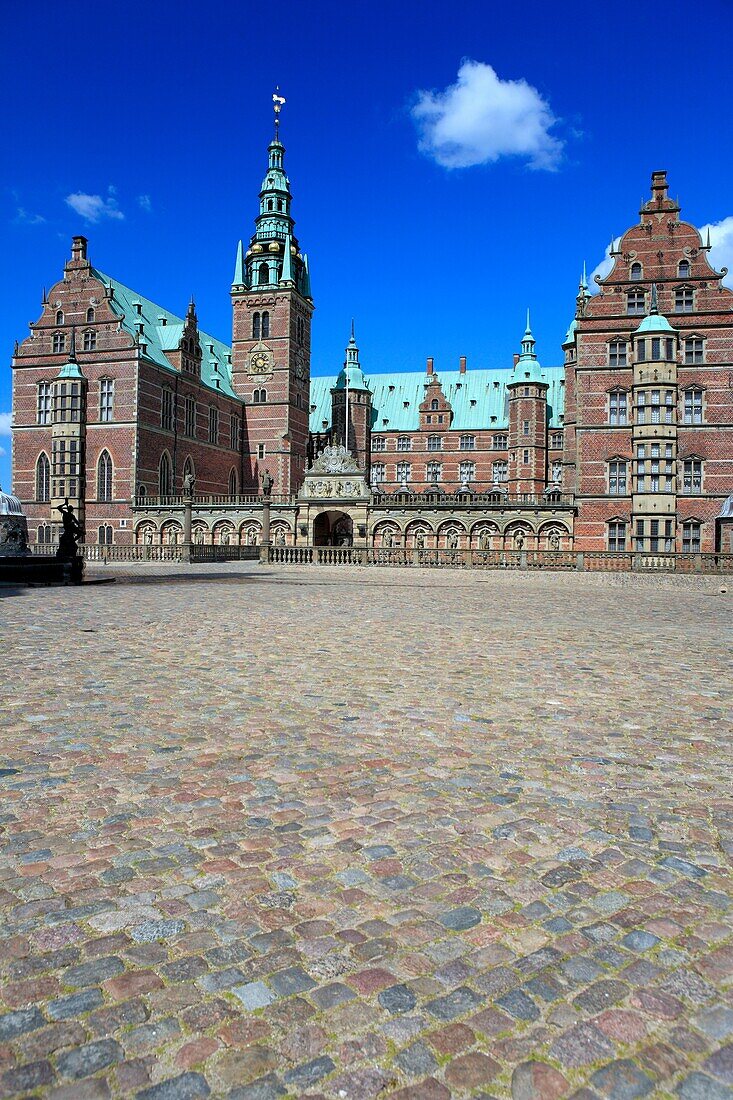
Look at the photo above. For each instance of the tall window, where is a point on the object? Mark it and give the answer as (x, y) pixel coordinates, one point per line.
(618, 408)
(635, 272)
(43, 403)
(693, 350)
(189, 416)
(467, 443)
(433, 471)
(379, 475)
(403, 472)
(556, 441)
(166, 409)
(525, 427)
(692, 475)
(58, 342)
(256, 327)
(65, 467)
(235, 426)
(640, 351)
(188, 468)
(691, 536)
(693, 406)
(263, 274)
(43, 479)
(90, 341)
(232, 482)
(684, 299)
(616, 535)
(165, 476)
(106, 398)
(44, 533)
(617, 353)
(466, 472)
(90, 315)
(59, 317)
(260, 450)
(104, 476)
(404, 443)
(683, 269)
(67, 403)
(500, 471)
(635, 303)
(265, 325)
(435, 443)
(500, 441)
(213, 424)
(104, 534)
(641, 408)
(617, 477)
(379, 443)
(434, 405)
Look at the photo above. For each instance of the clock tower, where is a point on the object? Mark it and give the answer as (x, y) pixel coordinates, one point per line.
(271, 334)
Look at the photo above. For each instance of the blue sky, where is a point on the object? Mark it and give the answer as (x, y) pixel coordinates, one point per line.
(451, 164)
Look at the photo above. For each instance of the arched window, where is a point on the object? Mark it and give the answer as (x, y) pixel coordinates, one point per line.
(188, 468)
(259, 397)
(232, 482)
(279, 204)
(263, 274)
(59, 316)
(635, 272)
(265, 325)
(165, 476)
(434, 405)
(90, 315)
(269, 204)
(104, 534)
(255, 326)
(44, 533)
(43, 479)
(683, 269)
(104, 476)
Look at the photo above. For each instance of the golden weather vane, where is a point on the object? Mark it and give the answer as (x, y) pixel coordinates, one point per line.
(277, 103)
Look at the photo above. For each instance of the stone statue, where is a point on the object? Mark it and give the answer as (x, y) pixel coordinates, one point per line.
(554, 541)
(267, 483)
(225, 538)
(252, 537)
(388, 537)
(420, 540)
(188, 483)
(148, 537)
(198, 536)
(72, 532)
(519, 540)
(484, 540)
(452, 540)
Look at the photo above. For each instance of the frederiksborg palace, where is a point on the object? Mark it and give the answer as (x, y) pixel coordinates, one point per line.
(625, 445)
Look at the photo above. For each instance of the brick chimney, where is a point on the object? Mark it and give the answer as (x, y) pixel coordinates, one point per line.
(462, 365)
(78, 248)
(516, 358)
(429, 368)
(659, 186)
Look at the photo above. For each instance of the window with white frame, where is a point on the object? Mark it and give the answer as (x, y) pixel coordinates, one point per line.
(166, 409)
(683, 269)
(43, 479)
(525, 427)
(556, 441)
(641, 407)
(58, 342)
(617, 477)
(467, 443)
(104, 477)
(260, 450)
(43, 403)
(379, 473)
(189, 417)
(500, 441)
(618, 412)
(435, 443)
(684, 299)
(692, 475)
(433, 472)
(617, 535)
(466, 472)
(635, 303)
(694, 350)
(617, 353)
(106, 399)
(500, 472)
(104, 534)
(403, 472)
(404, 443)
(691, 530)
(213, 424)
(693, 406)
(379, 443)
(90, 341)
(635, 272)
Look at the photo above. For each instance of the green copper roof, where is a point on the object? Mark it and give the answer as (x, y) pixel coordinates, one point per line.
(70, 368)
(478, 398)
(162, 331)
(655, 322)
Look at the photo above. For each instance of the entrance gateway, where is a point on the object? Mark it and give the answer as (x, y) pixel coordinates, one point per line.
(333, 528)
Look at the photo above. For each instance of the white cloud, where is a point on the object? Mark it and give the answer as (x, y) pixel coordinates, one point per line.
(602, 269)
(721, 250)
(93, 207)
(22, 216)
(481, 118)
(5, 423)
(144, 203)
(3, 452)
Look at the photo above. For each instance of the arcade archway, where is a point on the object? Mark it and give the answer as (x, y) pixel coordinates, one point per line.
(333, 528)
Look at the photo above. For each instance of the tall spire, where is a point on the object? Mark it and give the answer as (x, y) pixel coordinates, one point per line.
(528, 342)
(277, 104)
(240, 279)
(286, 275)
(654, 307)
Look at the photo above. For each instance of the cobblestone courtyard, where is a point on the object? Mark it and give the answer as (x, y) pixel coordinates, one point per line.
(345, 834)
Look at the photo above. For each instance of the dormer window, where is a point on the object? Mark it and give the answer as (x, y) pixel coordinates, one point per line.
(635, 272)
(59, 316)
(683, 269)
(138, 308)
(434, 405)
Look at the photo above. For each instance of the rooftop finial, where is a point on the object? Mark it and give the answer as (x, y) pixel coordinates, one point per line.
(72, 349)
(277, 103)
(353, 338)
(654, 307)
(528, 331)
(707, 239)
(584, 279)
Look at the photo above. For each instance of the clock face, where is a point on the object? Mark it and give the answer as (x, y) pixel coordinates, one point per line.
(300, 368)
(259, 363)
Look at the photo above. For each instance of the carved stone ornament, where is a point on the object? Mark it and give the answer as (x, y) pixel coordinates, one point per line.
(260, 360)
(335, 460)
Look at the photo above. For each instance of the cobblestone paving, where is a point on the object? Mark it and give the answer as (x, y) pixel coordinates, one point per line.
(325, 833)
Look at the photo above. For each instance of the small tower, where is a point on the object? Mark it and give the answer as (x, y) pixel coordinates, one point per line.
(527, 422)
(271, 327)
(352, 390)
(68, 435)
